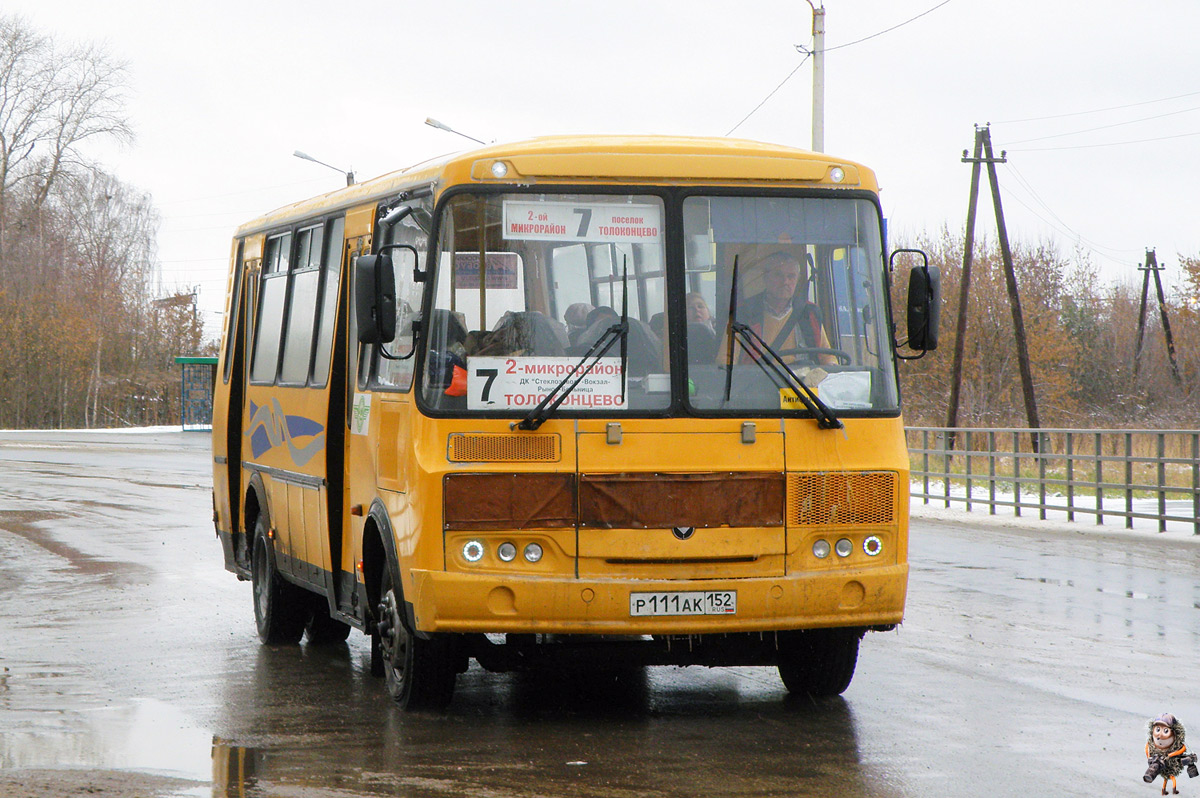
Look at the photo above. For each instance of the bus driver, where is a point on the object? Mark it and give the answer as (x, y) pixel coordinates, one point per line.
(781, 314)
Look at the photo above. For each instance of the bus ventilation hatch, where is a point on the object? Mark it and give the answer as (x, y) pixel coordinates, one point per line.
(841, 497)
(470, 448)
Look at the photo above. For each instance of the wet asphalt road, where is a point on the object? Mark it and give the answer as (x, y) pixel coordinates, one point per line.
(1028, 664)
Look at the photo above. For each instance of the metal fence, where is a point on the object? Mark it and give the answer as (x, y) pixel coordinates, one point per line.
(1123, 473)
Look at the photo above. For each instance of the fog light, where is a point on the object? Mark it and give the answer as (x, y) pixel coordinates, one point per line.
(843, 547)
(821, 549)
(473, 551)
(533, 552)
(872, 545)
(499, 169)
(507, 552)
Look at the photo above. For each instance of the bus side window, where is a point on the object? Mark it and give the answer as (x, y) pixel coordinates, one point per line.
(268, 330)
(302, 306)
(331, 272)
(394, 373)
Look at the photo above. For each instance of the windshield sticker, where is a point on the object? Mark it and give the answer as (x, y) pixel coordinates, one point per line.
(592, 222)
(520, 383)
(840, 390)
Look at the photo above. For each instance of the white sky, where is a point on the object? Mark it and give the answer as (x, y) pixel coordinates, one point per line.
(223, 92)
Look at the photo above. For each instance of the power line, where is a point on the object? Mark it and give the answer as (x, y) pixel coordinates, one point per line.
(1100, 249)
(772, 94)
(1108, 144)
(1068, 231)
(243, 192)
(888, 30)
(1107, 127)
(1097, 110)
(808, 53)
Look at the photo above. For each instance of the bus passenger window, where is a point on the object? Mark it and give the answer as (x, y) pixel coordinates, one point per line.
(302, 306)
(269, 325)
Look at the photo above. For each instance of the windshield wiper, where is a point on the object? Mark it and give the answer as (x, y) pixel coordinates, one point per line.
(618, 331)
(770, 361)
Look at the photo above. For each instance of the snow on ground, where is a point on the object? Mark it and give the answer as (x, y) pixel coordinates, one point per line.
(1056, 519)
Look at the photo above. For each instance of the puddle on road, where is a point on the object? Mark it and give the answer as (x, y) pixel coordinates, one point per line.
(148, 736)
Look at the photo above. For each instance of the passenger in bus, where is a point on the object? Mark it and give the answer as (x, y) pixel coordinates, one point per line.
(575, 318)
(447, 352)
(697, 311)
(658, 323)
(560, 331)
(523, 333)
(702, 343)
(644, 347)
(781, 314)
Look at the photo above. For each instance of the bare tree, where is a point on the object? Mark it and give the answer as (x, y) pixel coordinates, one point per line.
(52, 100)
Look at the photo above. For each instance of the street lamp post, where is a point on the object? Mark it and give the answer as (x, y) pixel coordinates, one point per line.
(348, 173)
(443, 126)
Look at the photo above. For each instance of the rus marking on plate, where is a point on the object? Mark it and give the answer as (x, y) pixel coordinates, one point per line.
(683, 532)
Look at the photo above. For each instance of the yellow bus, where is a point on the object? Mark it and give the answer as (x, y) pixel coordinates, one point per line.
(599, 399)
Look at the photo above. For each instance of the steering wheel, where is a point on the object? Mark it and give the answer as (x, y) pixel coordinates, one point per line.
(842, 356)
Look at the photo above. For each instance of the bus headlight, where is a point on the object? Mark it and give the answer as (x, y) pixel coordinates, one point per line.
(533, 552)
(821, 549)
(872, 546)
(473, 551)
(843, 547)
(506, 552)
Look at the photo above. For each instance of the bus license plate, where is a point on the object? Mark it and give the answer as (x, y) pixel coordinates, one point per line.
(696, 602)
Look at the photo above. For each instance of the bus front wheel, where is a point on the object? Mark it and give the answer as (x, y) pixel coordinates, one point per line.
(280, 608)
(419, 673)
(818, 662)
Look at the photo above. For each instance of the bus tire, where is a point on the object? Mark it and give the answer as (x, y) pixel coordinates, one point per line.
(322, 629)
(419, 673)
(280, 608)
(818, 662)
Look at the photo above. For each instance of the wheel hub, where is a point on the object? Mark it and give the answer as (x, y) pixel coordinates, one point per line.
(391, 635)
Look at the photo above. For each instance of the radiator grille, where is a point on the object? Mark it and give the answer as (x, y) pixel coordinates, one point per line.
(467, 448)
(841, 497)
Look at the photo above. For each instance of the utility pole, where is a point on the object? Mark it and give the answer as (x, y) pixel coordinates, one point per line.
(985, 155)
(964, 289)
(1152, 267)
(818, 94)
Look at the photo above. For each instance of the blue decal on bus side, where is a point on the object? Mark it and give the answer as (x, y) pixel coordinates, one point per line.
(270, 427)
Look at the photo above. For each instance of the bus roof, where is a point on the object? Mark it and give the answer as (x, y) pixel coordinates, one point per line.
(657, 160)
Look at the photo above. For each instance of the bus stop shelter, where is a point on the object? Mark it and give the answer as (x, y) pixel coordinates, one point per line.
(197, 378)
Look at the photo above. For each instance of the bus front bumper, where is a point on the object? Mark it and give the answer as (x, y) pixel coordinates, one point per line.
(492, 603)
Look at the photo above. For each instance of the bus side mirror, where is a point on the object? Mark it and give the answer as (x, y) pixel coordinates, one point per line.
(924, 307)
(375, 299)
(924, 302)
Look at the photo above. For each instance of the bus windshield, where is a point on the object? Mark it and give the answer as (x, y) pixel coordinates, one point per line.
(810, 291)
(527, 284)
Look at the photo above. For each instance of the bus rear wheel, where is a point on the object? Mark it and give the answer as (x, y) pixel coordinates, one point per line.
(818, 662)
(419, 673)
(280, 608)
